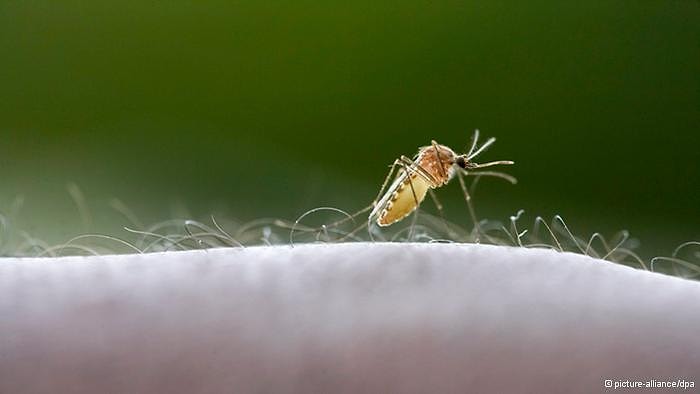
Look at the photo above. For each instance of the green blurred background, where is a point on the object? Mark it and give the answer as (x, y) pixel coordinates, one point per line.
(270, 108)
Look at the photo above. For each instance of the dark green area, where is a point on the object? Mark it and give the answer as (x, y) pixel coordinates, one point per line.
(270, 108)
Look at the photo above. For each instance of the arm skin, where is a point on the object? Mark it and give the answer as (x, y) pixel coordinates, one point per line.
(341, 318)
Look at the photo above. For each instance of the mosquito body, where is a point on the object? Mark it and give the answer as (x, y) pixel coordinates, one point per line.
(433, 167)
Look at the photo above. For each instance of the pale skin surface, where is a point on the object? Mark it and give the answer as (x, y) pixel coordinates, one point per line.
(342, 318)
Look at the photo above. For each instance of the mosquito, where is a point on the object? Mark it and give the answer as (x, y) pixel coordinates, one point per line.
(432, 167)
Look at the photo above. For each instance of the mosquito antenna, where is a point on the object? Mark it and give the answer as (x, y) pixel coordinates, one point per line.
(488, 143)
(475, 138)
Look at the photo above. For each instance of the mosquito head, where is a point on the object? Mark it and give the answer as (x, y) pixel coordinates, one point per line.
(463, 162)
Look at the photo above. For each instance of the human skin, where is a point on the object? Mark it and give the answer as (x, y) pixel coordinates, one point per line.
(360, 317)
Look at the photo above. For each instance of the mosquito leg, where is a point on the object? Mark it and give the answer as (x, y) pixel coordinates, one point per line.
(468, 193)
(437, 203)
(475, 183)
(496, 174)
(441, 212)
(437, 156)
(386, 181)
(417, 169)
(428, 177)
(470, 206)
(378, 198)
(349, 217)
(296, 226)
(404, 162)
(353, 232)
(407, 164)
(415, 199)
(324, 227)
(380, 195)
(410, 168)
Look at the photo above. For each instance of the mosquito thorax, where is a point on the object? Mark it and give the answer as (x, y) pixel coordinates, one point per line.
(437, 161)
